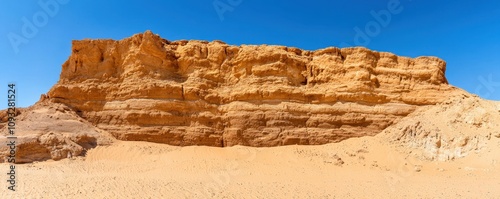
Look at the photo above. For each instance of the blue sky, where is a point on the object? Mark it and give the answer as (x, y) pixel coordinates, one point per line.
(465, 33)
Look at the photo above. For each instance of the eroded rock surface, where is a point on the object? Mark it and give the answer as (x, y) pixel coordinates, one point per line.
(50, 131)
(450, 130)
(146, 88)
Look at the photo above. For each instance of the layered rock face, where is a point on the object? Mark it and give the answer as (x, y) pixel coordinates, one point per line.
(146, 88)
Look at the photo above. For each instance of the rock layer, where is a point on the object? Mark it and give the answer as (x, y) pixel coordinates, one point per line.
(145, 88)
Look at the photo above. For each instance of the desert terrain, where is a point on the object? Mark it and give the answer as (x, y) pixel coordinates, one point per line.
(145, 117)
(356, 168)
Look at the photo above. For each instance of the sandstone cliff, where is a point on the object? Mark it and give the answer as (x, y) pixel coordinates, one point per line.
(146, 88)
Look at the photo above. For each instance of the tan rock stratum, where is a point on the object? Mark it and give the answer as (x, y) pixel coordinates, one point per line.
(145, 88)
(210, 93)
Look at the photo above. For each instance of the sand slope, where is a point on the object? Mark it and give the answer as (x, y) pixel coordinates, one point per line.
(369, 170)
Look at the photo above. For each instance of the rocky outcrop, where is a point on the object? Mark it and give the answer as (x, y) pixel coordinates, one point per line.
(50, 131)
(450, 130)
(146, 88)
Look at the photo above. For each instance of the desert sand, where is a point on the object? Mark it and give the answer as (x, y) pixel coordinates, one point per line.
(369, 170)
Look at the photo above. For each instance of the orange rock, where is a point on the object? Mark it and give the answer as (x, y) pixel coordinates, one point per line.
(211, 93)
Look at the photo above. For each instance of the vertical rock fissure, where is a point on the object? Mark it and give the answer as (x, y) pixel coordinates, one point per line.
(182, 90)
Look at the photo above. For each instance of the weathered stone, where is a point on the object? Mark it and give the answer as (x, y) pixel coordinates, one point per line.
(210, 93)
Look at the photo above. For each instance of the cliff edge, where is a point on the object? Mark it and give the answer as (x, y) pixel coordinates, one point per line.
(146, 88)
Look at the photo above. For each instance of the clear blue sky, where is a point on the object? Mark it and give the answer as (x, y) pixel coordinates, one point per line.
(464, 33)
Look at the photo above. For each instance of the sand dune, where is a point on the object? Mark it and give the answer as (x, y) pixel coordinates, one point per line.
(356, 168)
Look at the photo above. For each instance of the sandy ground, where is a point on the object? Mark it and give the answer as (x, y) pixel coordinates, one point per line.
(356, 168)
